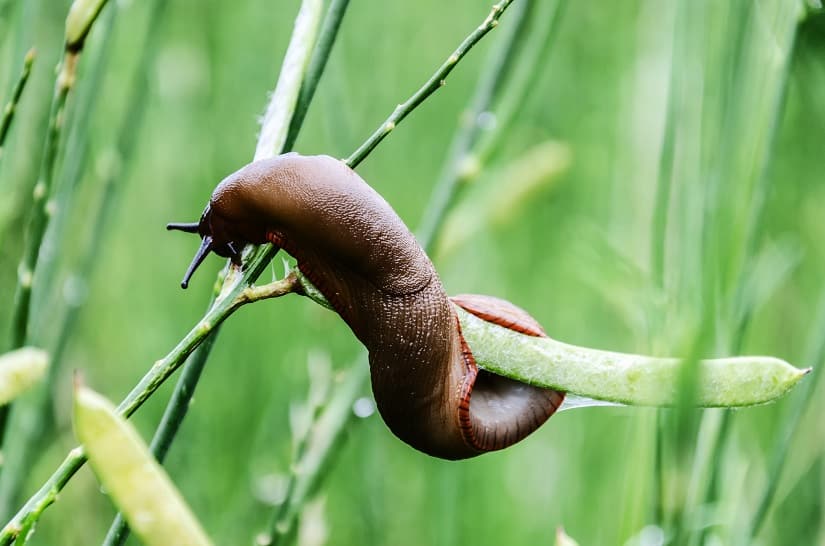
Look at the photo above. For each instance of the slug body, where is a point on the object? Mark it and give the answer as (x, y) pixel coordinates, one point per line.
(356, 250)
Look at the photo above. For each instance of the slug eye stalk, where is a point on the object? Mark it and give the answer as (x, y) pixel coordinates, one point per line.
(208, 244)
(188, 228)
(200, 255)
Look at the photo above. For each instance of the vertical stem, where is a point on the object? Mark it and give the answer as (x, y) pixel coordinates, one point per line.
(41, 212)
(29, 422)
(815, 356)
(77, 28)
(775, 113)
(317, 63)
(658, 238)
(280, 110)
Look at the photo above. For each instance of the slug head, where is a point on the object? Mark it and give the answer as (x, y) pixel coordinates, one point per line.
(217, 235)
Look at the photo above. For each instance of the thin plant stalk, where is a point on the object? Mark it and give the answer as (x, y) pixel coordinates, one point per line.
(11, 107)
(815, 355)
(431, 86)
(19, 453)
(657, 253)
(775, 112)
(75, 154)
(315, 457)
(317, 63)
(42, 208)
(450, 181)
(279, 113)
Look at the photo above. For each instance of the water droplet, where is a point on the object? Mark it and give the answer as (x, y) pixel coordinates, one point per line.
(363, 407)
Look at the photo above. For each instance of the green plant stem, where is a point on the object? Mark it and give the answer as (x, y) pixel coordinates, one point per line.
(11, 107)
(41, 204)
(39, 220)
(657, 250)
(665, 176)
(317, 63)
(169, 425)
(279, 113)
(19, 453)
(75, 153)
(536, 54)
(775, 112)
(324, 437)
(815, 355)
(431, 86)
(454, 174)
(41, 213)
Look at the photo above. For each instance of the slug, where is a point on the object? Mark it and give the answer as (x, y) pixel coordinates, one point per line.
(355, 249)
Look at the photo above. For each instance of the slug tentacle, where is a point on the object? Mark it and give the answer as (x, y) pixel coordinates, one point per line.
(200, 256)
(188, 228)
(359, 254)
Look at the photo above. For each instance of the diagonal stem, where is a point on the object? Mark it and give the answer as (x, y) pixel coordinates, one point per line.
(11, 107)
(431, 86)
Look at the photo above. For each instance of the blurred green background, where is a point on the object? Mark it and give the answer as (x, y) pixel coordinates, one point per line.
(688, 220)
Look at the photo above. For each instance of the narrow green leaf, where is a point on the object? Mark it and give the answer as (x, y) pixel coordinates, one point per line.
(131, 476)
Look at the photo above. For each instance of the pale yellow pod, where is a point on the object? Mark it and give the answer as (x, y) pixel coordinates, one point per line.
(82, 14)
(131, 476)
(562, 538)
(20, 370)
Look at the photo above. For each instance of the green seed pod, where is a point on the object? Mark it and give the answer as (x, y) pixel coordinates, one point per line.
(623, 378)
(81, 16)
(131, 476)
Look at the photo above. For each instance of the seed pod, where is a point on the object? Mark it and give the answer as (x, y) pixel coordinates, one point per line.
(131, 476)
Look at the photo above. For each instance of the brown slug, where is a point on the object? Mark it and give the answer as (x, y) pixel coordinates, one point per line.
(356, 250)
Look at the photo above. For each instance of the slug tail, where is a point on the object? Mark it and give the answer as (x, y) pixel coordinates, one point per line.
(494, 411)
